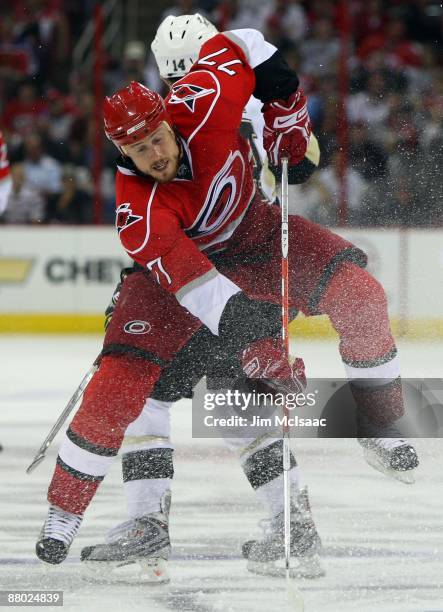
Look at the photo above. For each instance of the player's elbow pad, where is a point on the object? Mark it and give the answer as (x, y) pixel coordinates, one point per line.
(244, 320)
(303, 170)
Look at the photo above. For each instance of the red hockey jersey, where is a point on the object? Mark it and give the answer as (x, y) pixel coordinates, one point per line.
(4, 162)
(5, 179)
(168, 227)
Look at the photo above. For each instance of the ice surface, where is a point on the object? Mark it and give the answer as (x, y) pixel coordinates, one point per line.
(383, 541)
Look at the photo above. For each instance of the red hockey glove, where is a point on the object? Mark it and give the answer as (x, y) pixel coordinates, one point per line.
(287, 129)
(266, 359)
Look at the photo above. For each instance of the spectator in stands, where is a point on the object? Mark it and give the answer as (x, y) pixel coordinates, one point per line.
(369, 20)
(430, 189)
(371, 107)
(78, 150)
(406, 159)
(327, 128)
(423, 19)
(24, 112)
(432, 111)
(400, 209)
(395, 80)
(395, 99)
(234, 15)
(42, 24)
(366, 155)
(57, 123)
(25, 204)
(321, 196)
(322, 9)
(73, 205)
(17, 57)
(283, 23)
(401, 52)
(131, 68)
(181, 7)
(42, 172)
(320, 52)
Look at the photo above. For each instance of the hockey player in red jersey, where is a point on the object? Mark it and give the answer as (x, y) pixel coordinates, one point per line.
(5, 177)
(147, 489)
(5, 182)
(188, 214)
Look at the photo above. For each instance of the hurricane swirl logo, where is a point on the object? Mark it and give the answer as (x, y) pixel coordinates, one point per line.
(137, 327)
(223, 197)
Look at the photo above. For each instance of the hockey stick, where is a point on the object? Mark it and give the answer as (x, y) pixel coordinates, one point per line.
(41, 453)
(294, 596)
(285, 337)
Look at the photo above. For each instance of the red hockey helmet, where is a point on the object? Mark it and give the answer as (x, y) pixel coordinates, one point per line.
(132, 113)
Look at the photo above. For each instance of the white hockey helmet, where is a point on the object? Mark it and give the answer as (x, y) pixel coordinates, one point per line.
(178, 41)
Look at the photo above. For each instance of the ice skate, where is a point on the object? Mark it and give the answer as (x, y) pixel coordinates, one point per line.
(266, 556)
(57, 535)
(395, 457)
(136, 550)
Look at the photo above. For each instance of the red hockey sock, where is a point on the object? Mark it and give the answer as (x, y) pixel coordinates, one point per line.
(113, 399)
(356, 305)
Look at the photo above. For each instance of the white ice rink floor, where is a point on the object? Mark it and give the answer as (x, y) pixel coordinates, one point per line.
(383, 541)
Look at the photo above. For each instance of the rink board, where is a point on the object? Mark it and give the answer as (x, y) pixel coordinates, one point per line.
(60, 279)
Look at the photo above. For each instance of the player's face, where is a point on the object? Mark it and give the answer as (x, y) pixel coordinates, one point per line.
(157, 154)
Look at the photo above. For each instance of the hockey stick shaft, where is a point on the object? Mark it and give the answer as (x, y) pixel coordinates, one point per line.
(285, 336)
(41, 453)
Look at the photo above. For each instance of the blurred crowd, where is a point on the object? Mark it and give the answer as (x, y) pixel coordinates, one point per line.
(392, 111)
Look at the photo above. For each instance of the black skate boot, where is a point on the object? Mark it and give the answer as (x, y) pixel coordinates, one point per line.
(136, 550)
(263, 554)
(394, 457)
(57, 535)
(386, 451)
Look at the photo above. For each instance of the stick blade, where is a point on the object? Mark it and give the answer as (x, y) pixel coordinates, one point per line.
(35, 463)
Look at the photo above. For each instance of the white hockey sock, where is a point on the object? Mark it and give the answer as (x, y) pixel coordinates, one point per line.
(263, 467)
(147, 459)
(144, 496)
(271, 494)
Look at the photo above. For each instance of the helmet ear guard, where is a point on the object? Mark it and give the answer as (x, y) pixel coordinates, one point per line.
(132, 113)
(178, 41)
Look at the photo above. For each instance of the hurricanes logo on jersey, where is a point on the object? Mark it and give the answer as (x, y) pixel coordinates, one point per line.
(188, 94)
(222, 198)
(124, 217)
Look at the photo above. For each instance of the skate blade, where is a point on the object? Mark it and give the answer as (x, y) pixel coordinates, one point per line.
(406, 477)
(308, 567)
(140, 571)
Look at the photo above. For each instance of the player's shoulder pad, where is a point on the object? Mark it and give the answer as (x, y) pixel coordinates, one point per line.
(191, 102)
(253, 45)
(219, 81)
(222, 52)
